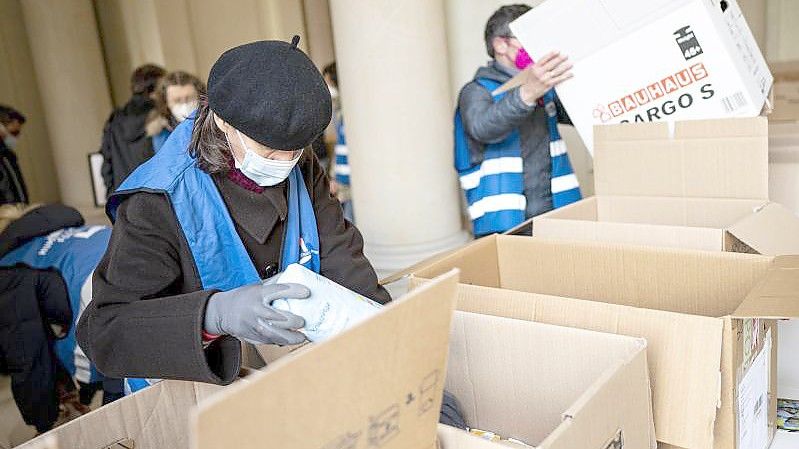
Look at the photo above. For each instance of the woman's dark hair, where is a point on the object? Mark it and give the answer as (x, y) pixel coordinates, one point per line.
(9, 114)
(178, 78)
(208, 143)
(145, 78)
(330, 70)
(210, 147)
(497, 25)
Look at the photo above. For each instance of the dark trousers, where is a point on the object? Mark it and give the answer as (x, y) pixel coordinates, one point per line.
(113, 389)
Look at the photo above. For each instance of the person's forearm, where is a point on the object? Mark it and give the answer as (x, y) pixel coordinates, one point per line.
(490, 122)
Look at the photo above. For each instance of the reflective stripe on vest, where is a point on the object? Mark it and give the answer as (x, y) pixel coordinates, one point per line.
(342, 163)
(494, 188)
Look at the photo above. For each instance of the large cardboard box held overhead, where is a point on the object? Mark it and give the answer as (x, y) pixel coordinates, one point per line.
(654, 60)
(704, 186)
(373, 364)
(379, 384)
(551, 387)
(706, 316)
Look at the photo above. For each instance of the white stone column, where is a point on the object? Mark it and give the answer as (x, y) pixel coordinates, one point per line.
(18, 89)
(393, 74)
(74, 89)
(319, 31)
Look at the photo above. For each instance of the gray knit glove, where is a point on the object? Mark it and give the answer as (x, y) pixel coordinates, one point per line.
(246, 313)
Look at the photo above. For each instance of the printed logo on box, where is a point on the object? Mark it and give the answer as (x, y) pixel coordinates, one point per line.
(615, 442)
(651, 93)
(688, 43)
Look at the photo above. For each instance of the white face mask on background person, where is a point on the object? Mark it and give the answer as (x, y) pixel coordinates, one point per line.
(265, 172)
(333, 91)
(181, 111)
(10, 140)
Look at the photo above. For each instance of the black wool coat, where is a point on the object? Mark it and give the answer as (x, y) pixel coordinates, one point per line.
(146, 315)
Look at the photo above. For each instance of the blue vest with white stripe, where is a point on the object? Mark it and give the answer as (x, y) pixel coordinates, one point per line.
(494, 187)
(222, 261)
(565, 187)
(342, 165)
(74, 253)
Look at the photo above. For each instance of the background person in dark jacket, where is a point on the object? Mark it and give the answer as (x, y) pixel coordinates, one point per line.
(212, 214)
(12, 186)
(125, 144)
(487, 122)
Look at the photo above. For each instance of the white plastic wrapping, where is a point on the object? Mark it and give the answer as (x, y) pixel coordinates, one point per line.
(331, 308)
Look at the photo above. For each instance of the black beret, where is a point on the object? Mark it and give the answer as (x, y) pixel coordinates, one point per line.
(272, 92)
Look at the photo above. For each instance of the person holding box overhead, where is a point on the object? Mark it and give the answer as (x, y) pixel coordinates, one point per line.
(510, 158)
(231, 199)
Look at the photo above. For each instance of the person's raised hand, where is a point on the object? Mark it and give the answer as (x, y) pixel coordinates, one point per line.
(549, 71)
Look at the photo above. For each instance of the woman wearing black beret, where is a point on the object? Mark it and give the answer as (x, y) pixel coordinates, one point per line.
(231, 198)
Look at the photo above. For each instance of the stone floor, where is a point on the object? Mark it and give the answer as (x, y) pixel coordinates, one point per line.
(13, 430)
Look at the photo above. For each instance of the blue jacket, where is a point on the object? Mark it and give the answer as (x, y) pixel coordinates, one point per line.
(73, 252)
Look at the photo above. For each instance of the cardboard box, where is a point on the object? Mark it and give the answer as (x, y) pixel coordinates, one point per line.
(654, 60)
(785, 70)
(786, 102)
(154, 418)
(783, 170)
(366, 366)
(548, 386)
(705, 315)
(378, 384)
(704, 187)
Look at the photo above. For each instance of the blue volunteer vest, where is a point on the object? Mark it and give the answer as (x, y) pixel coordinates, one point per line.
(494, 187)
(74, 253)
(564, 184)
(342, 166)
(219, 254)
(160, 139)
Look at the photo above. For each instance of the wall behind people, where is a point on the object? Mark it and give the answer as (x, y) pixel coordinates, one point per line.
(190, 35)
(319, 28)
(782, 32)
(74, 91)
(18, 89)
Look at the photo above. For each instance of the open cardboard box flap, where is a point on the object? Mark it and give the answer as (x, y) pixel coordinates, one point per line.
(777, 294)
(379, 384)
(702, 159)
(771, 230)
(153, 418)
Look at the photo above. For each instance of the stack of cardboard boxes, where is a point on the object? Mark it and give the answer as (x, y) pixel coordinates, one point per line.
(642, 317)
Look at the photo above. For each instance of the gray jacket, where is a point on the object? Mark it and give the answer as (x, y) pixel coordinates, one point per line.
(487, 122)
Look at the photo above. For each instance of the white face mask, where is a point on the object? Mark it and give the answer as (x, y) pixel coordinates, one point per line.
(181, 111)
(333, 91)
(10, 140)
(265, 172)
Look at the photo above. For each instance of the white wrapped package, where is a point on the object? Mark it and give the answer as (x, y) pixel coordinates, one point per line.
(330, 309)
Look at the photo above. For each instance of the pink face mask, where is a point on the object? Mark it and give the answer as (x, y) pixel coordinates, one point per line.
(523, 59)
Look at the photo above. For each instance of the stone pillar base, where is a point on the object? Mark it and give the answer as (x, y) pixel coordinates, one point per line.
(388, 259)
